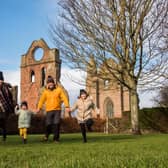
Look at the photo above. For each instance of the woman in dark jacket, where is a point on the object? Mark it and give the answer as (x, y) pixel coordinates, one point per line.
(6, 104)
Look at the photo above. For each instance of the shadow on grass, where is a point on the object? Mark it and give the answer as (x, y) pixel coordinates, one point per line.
(70, 138)
(98, 137)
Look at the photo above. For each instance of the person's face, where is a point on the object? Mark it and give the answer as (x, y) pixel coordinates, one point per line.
(24, 107)
(83, 96)
(50, 86)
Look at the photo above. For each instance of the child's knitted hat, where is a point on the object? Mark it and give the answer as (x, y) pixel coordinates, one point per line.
(82, 91)
(24, 103)
(50, 79)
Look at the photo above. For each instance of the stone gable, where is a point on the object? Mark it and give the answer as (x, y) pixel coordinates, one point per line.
(34, 71)
(111, 98)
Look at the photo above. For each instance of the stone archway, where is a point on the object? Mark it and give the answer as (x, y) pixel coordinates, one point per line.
(108, 108)
(109, 112)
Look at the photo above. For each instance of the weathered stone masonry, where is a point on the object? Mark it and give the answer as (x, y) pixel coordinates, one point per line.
(34, 72)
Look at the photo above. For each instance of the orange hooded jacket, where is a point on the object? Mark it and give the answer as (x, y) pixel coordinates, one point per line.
(53, 99)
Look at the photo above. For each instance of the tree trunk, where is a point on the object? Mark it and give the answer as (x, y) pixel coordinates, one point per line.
(134, 103)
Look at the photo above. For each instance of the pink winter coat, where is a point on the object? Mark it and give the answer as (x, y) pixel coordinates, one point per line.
(84, 109)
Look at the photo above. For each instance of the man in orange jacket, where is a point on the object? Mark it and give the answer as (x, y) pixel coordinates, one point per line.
(53, 96)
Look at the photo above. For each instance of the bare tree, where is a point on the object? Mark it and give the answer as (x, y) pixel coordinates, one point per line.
(161, 99)
(121, 35)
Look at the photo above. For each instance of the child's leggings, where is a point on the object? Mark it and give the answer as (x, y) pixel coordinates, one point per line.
(23, 132)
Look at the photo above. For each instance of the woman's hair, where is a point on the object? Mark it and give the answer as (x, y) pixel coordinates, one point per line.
(1, 76)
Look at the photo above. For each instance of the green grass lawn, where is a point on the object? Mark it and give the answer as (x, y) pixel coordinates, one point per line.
(101, 151)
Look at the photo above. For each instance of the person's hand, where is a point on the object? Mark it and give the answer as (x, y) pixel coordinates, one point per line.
(69, 113)
(37, 111)
(17, 107)
(67, 109)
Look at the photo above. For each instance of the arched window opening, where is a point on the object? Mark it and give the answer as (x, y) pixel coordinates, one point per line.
(43, 76)
(32, 76)
(109, 108)
(106, 83)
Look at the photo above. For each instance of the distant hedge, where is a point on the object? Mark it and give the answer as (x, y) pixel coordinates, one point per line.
(151, 120)
(68, 125)
(154, 119)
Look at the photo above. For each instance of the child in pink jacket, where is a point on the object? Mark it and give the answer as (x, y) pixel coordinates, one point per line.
(84, 106)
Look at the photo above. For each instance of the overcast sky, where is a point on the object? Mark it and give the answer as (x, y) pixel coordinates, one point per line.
(23, 21)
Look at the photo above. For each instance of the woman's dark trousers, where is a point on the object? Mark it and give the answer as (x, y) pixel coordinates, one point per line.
(3, 127)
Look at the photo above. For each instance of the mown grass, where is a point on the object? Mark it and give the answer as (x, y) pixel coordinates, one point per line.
(101, 151)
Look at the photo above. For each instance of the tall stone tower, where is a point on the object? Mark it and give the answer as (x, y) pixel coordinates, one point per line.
(35, 68)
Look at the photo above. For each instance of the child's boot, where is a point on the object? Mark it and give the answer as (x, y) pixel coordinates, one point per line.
(24, 141)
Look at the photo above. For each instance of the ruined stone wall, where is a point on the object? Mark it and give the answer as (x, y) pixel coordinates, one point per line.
(34, 71)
